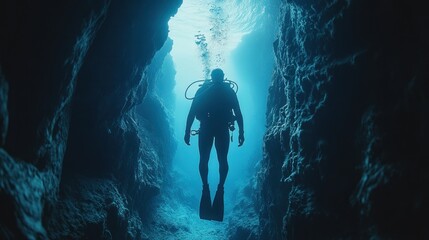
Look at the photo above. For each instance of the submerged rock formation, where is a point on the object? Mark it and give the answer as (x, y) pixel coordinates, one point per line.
(85, 111)
(74, 163)
(348, 120)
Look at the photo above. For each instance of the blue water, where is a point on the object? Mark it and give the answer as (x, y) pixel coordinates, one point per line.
(237, 36)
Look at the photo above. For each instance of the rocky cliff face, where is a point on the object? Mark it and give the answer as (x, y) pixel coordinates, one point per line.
(347, 118)
(75, 162)
(85, 106)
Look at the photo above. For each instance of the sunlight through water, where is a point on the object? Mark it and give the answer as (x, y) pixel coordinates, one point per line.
(223, 24)
(206, 35)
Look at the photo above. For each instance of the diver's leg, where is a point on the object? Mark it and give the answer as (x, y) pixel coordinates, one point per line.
(222, 147)
(205, 143)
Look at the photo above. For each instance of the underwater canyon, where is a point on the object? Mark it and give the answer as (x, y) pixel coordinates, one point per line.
(335, 97)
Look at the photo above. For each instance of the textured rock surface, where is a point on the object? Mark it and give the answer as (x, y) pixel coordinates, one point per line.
(347, 117)
(84, 136)
(72, 75)
(22, 190)
(243, 223)
(94, 209)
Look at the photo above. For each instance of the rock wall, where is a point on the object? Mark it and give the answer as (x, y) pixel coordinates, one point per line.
(74, 159)
(348, 114)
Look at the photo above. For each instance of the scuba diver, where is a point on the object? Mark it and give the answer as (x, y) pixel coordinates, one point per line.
(216, 106)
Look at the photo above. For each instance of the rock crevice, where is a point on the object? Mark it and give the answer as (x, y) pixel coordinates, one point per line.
(71, 78)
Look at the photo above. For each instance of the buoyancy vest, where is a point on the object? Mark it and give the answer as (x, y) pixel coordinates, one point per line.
(214, 103)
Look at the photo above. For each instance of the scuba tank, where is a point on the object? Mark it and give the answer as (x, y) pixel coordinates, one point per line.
(232, 84)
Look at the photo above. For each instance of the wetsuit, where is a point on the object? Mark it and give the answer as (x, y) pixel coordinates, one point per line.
(214, 105)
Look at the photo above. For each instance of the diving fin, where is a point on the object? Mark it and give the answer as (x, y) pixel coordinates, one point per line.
(205, 203)
(218, 205)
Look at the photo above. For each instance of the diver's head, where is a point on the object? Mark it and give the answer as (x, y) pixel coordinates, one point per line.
(217, 75)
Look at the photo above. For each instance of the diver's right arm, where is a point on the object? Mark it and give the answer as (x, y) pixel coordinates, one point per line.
(189, 121)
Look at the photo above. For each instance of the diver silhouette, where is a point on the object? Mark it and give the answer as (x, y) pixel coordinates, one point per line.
(216, 106)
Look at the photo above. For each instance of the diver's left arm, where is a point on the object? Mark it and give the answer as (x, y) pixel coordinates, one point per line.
(239, 118)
